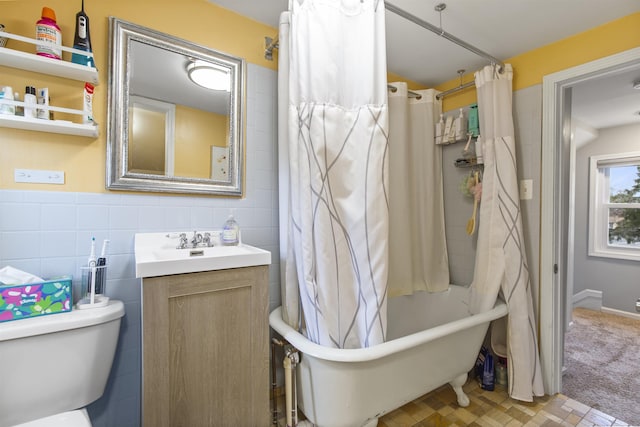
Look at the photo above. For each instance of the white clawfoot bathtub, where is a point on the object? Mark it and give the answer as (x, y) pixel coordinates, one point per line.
(431, 340)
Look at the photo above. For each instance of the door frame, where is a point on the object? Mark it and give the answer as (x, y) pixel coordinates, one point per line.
(554, 104)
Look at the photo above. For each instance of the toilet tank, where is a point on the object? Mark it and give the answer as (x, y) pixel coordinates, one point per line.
(56, 363)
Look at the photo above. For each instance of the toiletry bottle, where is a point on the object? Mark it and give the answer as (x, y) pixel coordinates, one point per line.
(439, 129)
(7, 93)
(501, 372)
(19, 108)
(82, 39)
(230, 232)
(30, 102)
(447, 137)
(474, 123)
(488, 373)
(461, 127)
(43, 99)
(47, 30)
(88, 103)
(479, 151)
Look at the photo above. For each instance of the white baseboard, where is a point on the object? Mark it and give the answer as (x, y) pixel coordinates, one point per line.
(621, 313)
(592, 300)
(588, 298)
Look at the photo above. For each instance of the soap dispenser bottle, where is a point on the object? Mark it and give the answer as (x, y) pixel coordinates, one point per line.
(231, 232)
(461, 127)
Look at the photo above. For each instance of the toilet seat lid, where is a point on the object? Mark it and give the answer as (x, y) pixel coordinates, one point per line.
(77, 418)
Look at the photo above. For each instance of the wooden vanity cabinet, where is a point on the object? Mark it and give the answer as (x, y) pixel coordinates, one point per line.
(206, 349)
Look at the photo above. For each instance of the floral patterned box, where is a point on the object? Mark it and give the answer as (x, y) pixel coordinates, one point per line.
(35, 299)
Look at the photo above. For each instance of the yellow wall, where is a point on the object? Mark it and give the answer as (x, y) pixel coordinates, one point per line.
(147, 129)
(193, 151)
(530, 67)
(83, 159)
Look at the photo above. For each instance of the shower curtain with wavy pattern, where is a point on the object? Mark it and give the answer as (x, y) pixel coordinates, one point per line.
(418, 258)
(501, 260)
(332, 74)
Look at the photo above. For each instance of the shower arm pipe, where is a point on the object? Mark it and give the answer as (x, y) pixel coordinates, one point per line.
(455, 89)
(411, 94)
(439, 31)
(269, 45)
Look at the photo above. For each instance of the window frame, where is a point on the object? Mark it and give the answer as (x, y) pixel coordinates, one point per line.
(599, 206)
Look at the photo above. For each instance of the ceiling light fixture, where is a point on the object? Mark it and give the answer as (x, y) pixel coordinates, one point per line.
(208, 75)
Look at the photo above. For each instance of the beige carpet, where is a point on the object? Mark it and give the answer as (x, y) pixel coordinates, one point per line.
(602, 357)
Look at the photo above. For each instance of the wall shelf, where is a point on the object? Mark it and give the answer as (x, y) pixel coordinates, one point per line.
(42, 64)
(52, 126)
(53, 67)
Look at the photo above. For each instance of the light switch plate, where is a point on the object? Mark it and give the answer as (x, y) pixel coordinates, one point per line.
(526, 189)
(39, 176)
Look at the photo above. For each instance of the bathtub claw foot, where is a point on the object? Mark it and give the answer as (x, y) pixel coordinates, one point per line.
(457, 383)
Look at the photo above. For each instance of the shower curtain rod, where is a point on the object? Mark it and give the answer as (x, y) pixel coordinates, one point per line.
(439, 31)
(272, 43)
(455, 89)
(411, 94)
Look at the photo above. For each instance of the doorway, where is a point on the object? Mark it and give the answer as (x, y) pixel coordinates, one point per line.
(555, 264)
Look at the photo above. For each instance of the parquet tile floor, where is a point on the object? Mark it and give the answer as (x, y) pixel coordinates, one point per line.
(494, 409)
(439, 408)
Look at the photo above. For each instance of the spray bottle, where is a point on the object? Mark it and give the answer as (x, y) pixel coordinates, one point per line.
(82, 39)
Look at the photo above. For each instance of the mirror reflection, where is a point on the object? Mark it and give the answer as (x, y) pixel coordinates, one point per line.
(175, 114)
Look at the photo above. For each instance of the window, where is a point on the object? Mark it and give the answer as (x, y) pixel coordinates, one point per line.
(614, 206)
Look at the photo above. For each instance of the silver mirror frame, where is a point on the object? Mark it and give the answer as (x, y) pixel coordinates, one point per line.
(121, 34)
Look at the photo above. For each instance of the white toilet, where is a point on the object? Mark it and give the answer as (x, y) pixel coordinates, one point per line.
(51, 367)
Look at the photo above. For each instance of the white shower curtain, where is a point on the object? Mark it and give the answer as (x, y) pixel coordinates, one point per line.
(337, 227)
(417, 246)
(501, 261)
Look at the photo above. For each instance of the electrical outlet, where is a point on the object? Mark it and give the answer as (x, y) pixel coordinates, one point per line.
(526, 189)
(638, 305)
(38, 176)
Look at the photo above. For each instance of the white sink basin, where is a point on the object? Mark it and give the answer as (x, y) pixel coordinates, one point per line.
(157, 255)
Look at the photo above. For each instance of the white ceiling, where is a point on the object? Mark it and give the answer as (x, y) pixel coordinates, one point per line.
(608, 101)
(161, 74)
(501, 28)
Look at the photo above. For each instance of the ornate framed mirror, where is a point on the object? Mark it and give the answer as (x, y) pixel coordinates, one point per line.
(165, 128)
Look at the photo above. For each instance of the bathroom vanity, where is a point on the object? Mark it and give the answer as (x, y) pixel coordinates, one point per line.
(205, 335)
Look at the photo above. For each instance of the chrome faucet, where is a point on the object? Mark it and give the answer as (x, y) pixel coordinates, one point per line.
(183, 241)
(206, 240)
(197, 238)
